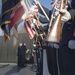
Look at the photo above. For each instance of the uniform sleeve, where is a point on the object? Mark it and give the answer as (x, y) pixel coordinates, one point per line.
(43, 20)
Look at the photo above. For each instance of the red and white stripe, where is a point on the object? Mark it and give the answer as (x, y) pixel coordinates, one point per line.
(29, 16)
(29, 29)
(34, 9)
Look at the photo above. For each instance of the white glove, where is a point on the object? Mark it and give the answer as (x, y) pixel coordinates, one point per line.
(56, 13)
(65, 15)
(71, 44)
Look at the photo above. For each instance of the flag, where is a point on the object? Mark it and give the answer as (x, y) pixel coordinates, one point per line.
(20, 28)
(15, 36)
(6, 29)
(16, 14)
(34, 9)
(29, 16)
(5, 21)
(29, 29)
(7, 5)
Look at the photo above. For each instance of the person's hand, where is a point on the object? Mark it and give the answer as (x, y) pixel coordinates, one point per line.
(65, 15)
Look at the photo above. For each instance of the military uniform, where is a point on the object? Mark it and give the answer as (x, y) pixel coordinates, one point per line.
(51, 51)
(66, 54)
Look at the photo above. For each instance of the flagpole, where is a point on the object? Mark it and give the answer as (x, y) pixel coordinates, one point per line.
(42, 10)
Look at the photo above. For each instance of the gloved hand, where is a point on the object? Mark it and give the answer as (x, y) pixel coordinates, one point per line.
(71, 44)
(65, 15)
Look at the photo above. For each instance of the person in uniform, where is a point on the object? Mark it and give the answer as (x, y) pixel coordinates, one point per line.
(66, 49)
(66, 53)
(50, 50)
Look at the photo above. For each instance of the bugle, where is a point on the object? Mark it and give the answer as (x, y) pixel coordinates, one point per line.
(54, 32)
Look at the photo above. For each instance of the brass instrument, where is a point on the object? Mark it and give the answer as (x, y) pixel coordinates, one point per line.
(54, 32)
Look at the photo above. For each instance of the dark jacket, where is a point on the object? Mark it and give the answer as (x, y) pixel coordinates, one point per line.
(21, 50)
(48, 12)
(68, 28)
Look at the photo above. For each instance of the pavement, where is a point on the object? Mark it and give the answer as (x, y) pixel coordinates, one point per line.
(13, 69)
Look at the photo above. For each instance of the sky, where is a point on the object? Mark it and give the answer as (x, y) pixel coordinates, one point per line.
(46, 3)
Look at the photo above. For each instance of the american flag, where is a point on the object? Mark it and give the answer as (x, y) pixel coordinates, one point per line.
(29, 16)
(29, 29)
(34, 9)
